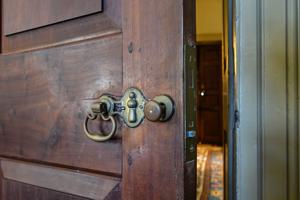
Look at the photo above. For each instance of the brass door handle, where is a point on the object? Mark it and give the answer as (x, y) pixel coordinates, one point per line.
(132, 108)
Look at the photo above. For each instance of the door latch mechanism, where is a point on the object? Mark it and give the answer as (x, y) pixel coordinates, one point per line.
(132, 108)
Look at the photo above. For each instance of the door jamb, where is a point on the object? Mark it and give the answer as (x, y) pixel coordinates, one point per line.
(233, 113)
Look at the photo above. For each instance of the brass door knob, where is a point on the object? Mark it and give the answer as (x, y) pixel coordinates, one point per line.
(154, 110)
(161, 108)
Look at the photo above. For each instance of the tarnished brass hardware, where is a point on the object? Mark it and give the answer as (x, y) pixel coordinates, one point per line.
(100, 137)
(132, 105)
(131, 109)
(134, 102)
(161, 108)
(154, 110)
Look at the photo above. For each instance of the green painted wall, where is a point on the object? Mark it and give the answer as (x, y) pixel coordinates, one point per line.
(268, 93)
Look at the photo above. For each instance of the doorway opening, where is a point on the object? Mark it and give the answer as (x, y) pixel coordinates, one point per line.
(212, 98)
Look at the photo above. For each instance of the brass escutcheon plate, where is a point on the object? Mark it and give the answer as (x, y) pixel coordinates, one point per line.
(133, 103)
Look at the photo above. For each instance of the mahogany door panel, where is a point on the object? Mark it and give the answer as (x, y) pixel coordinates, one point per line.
(48, 79)
(44, 96)
(23, 15)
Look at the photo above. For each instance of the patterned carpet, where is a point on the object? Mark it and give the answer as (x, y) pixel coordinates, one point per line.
(209, 172)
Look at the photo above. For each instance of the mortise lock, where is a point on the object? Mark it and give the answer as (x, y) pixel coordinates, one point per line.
(132, 108)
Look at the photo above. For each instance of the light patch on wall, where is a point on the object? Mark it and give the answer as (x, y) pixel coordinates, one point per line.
(209, 22)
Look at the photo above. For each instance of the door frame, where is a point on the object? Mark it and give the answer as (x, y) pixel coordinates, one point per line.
(230, 140)
(230, 147)
(268, 47)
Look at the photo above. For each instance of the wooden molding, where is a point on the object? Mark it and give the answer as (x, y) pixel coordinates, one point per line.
(92, 27)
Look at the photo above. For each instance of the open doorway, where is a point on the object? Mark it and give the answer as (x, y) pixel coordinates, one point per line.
(212, 98)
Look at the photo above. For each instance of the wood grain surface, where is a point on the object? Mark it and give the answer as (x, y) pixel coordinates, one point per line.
(13, 190)
(44, 101)
(23, 15)
(90, 27)
(153, 154)
(70, 182)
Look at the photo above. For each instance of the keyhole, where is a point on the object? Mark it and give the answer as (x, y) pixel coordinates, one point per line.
(132, 105)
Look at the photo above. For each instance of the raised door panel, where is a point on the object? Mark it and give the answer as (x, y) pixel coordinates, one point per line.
(48, 79)
(44, 99)
(90, 26)
(23, 15)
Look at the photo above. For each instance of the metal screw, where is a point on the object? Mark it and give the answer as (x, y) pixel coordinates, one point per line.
(130, 47)
(192, 149)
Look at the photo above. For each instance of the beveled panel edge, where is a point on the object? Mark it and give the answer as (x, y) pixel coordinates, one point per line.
(62, 180)
(43, 41)
(67, 42)
(292, 98)
(26, 21)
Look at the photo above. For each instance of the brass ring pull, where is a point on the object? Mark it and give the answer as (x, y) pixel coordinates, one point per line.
(100, 137)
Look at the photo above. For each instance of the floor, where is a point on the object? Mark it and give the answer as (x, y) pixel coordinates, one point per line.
(209, 172)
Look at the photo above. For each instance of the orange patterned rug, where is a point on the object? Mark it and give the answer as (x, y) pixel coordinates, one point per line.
(209, 172)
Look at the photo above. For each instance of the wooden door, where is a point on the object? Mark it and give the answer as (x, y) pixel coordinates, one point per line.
(59, 55)
(210, 93)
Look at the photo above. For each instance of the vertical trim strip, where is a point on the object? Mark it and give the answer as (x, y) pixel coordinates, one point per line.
(292, 105)
(274, 104)
(269, 99)
(231, 96)
(259, 75)
(247, 48)
(298, 90)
